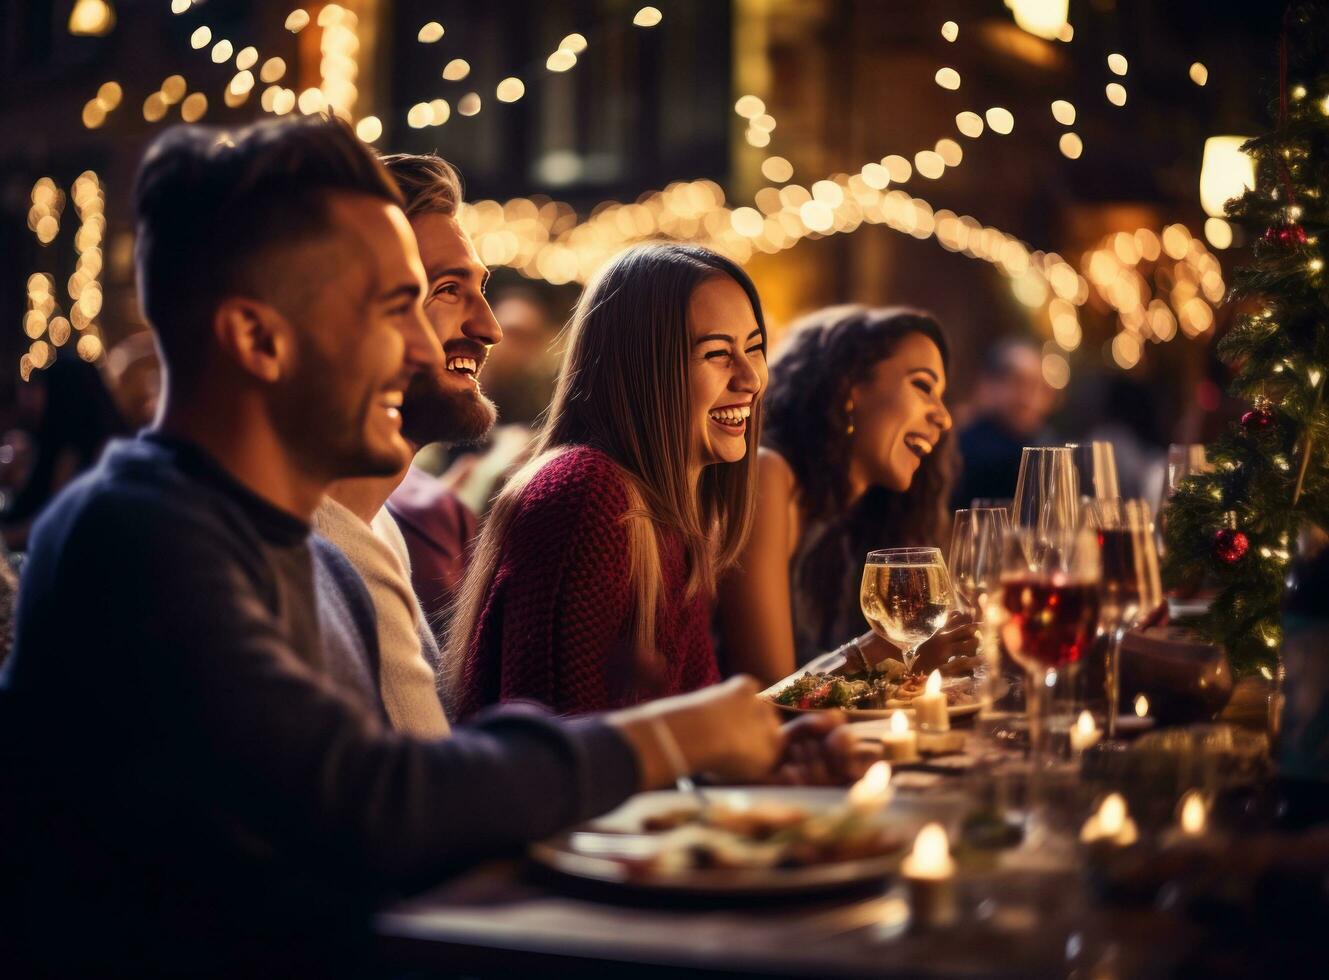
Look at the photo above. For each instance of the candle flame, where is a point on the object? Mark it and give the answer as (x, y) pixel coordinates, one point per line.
(899, 723)
(1112, 815)
(1141, 705)
(932, 851)
(1085, 723)
(874, 789)
(1192, 814)
(933, 686)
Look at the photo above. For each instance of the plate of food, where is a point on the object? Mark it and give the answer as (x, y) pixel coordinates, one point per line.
(880, 693)
(758, 840)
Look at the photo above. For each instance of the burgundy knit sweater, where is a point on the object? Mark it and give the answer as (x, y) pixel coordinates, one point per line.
(555, 625)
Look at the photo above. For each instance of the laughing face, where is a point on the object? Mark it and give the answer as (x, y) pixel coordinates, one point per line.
(445, 403)
(727, 370)
(898, 415)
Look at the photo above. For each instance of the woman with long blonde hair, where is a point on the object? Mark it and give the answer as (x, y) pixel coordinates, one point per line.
(591, 583)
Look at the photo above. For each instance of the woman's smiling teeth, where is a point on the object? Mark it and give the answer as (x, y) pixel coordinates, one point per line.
(392, 401)
(733, 415)
(917, 444)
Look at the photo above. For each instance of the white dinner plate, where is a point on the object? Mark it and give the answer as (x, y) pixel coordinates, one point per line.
(868, 714)
(586, 851)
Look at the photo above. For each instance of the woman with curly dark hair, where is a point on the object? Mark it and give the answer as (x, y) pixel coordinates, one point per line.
(854, 457)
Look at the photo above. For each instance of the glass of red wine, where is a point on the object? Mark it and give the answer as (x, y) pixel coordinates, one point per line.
(1130, 586)
(1047, 613)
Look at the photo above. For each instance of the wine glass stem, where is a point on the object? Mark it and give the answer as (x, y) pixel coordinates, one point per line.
(1039, 704)
(1112, 679)
(910, 656)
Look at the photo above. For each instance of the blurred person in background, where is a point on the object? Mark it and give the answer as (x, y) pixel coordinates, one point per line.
(136, 378)
(1011, 405)
(855, 456)
(70, 415)
(1132, 420)
(521, 373)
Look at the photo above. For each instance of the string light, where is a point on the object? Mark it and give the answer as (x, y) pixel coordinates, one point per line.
(201, 36)
(1199, 73)
(1117, 64)
(948, 78)
(510, 90)
(469, 104)
(369, 129)
(91, 18)
(296, 21)
(194, 107)
(1071, 146)
(221, 52)
(647, 17)
(430, 33)
(969, 124)
(1116, 93)
(950, 30)
(458, 68)
(777, 169)
(1000, 120)
(560, 61)
(1063, 112)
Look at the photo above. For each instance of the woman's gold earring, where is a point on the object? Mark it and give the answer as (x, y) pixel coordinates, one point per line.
(849, 410)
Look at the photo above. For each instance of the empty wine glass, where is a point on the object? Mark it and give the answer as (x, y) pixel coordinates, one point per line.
(1047, 492)
(1130, 587)
(975, 557)
(1183, 459)
(1096, 469)
(905, 597)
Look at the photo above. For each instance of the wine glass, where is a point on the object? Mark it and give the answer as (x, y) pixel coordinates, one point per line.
(905, 597)
(975, 557)
(1130, 587)
(1096, 468)
(1183, 459)
(1047, 492)
(1047, 611)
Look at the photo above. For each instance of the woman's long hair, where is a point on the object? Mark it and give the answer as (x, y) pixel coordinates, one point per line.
(623, 389)
(825, 355)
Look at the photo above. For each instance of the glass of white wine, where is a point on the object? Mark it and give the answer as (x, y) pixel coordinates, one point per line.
(905, 597)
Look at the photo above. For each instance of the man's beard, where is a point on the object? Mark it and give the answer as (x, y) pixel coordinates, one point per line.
(433, 411)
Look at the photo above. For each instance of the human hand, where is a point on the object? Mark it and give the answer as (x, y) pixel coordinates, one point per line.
(958, 638)
(724, 730)
(820, 750)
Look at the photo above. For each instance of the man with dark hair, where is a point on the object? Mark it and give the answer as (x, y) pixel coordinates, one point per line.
(196, 775)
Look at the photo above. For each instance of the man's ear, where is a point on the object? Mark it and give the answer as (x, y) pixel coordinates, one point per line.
(255, 336)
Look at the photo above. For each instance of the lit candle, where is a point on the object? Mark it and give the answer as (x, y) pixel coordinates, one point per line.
(930, 706)
(1084, 733)
(900, 744)
(1193, 815)
(873, 791)
(929, 872)
(1141, 706)
(1112, 824)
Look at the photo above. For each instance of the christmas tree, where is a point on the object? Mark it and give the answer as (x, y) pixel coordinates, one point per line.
(1237, 526)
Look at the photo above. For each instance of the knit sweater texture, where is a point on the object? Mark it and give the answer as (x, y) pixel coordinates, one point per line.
(555, 626)
(407, 653)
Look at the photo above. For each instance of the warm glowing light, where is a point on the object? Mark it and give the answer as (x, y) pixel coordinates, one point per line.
(91, 18)
(180, 6)
(747, 222)
(873, 791)
(933, 685)
(950, 152)
(1193, 814)
(929, 164)
(1112, 814)
(560, 60)
(1218, 232)
(247, 58)
(89, 347)
(1126, 350)
(154, 107)
(749, 106)
(510, 90)
(931, 856)
(647, 17)
(1117, 63)
(1056, 371)
(899, 722)
(173, 89)
(969, 124)
(242, 83)
(60, 331)
(1000, 120)
(369, 128)
(817, 216)
(875, 176)
(109, 95)
(1225, 172)
(1199, 73)
(777, 169)
(765, 122)
(574, 43)
(1085, 732)
(200, 38)
(458, 68)
(1043, 18)
(950, 30)
(469, 104)
(1141, 706)
(1071, 146)
(898, 167)
(757, 137)
(439, 112)
(296, 21)
(93, 114)
(284, 102)
(1298, 93)
(431, 32)
(418, 116)
(1063, 112)
(1116, 93)
(828, 192)
(221, 51)
(312, 100)
(272, 70)
(948, 78)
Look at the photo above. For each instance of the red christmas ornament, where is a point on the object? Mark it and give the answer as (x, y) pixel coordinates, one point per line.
(1230, 545)
(1257, 419)
(1285, 236)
